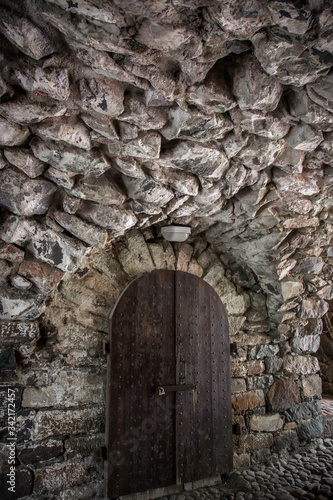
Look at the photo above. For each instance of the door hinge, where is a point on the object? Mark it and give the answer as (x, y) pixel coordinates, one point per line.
(106, 348)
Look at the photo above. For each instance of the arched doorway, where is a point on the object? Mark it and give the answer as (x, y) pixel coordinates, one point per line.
(169, 408)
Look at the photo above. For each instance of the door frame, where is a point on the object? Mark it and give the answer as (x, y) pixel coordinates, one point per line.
(158, 489)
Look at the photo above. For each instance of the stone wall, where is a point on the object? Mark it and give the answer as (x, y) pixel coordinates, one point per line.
(57, 366)
(119, 119)
(325, 353)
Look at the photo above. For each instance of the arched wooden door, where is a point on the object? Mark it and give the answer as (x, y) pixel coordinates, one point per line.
(169, 410)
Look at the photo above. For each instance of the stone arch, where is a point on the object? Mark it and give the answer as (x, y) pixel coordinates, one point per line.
(63, 394)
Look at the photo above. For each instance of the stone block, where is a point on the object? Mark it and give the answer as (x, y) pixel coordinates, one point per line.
(42, 275)
(147, 191)
(134, 256)
(118, 220)
(25, 161)
(308, 343)
(57, 476)
(255, 367)
(237, 369)
(241, 460)
(69, 158)
(291, 289)
(18, 333)
(196, 158)
(290, 426)
(235, 303)
(99, 189)
(147, 147)
(195, 268)
(24, 196)
(25, 35)
(40, 451)
(300, 365)
(304, 137)
(195, 126)
(238, 385)
(12, 134)
(263, 351)
(310, 429)
(312, 386)
(11, 253)
(184, 253)
(65, 180)
(84, 444)
(261, 382)
(259, 123)
(74, 133)
(53, 82)
(247, 400)
(71, 204)
(214, 274)
(283, 394)
(49, 423)
(53, 247)
(260, 152)
(89, 390)
(296, 184)
(180, 181)
(252, 339)
(157, 253)
(235, 325)
(294, 18)
(143, 117)
(129, 167)
(313, 308)
(27, 112)
(303, 410)
(308, 265)
(258, 440)
(252, 87)
(93, 236)
(19, 305)
(102, 96)
(290, 160)
(266, 423)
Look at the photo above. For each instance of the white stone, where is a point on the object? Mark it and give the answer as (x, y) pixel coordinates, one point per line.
(291, 289)
(75, 133)
(266, 423)
(103, 96)
(304, 137)
(300, 365)
(12, 134)
(252, 87)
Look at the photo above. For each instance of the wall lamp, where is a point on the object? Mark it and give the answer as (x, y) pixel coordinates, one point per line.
(175, 233)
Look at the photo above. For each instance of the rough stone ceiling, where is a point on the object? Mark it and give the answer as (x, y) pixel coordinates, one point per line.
(128, 114)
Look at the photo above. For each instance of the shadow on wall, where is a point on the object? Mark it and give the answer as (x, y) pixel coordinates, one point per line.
(325, 352)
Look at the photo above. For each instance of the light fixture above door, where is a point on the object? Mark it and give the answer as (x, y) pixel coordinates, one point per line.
(175, 233)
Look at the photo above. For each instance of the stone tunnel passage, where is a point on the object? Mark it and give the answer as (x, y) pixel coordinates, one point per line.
(117, 120)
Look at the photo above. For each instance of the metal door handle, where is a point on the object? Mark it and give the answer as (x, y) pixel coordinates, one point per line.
(162, 389)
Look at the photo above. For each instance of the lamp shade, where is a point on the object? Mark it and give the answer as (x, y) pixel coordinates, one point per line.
(175, 233)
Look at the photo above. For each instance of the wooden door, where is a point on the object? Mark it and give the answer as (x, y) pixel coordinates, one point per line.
(169, 410)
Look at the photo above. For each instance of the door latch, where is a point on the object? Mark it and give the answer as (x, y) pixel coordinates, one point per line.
(162, 390)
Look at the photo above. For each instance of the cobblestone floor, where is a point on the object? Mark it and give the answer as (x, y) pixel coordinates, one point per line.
(306, 476)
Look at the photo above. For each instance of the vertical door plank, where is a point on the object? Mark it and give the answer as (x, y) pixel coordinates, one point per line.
(141, 436)
(204, 431)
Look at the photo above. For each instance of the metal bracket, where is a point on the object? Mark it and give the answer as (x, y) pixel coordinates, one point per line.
(162, 389)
